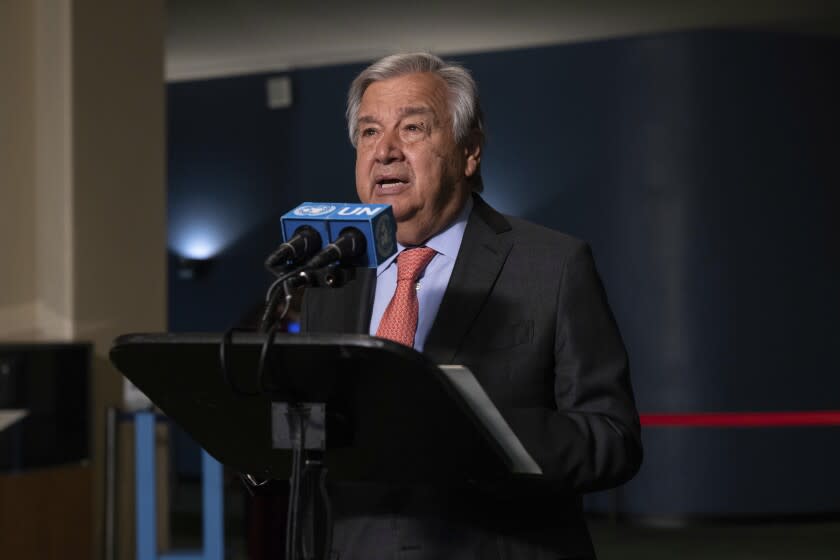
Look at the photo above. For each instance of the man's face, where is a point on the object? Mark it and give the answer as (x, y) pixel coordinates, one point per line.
(406, 155)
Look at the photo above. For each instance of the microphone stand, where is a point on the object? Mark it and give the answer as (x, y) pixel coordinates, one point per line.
(294, 419)
(308, 474)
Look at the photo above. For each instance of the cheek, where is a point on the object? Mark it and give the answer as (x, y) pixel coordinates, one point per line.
(429, 165)
(360, 192)
(442, 158)
(364, 154)
(362, 162)
(362, 187)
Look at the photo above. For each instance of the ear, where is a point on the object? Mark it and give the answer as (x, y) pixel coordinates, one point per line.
(472, 154)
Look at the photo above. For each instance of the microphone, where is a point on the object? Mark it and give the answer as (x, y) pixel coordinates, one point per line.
(308, 214)
(350, 244)
(360, 235)
(305, 242)
(373, 222)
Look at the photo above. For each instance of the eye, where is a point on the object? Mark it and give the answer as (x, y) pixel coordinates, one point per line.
(368, 132)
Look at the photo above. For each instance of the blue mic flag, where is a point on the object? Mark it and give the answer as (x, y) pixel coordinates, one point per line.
(375, 221)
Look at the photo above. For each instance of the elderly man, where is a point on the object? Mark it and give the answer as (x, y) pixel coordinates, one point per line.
(520, 305)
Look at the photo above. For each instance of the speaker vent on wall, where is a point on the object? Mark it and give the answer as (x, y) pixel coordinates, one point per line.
(279, 91)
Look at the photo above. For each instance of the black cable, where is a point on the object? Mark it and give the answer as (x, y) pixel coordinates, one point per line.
(268, 311)
(303, 417)
(328, 526)
(295, 499)
(307, 512)
(297, 414)
(291, 552)
(288, 286)
(314, 476)
(286, 289)
(264, 355)
(271, 296)
(224, 363)
(273, 286)
(314, 483)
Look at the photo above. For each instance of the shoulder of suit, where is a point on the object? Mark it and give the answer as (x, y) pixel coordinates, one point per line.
(524, 232)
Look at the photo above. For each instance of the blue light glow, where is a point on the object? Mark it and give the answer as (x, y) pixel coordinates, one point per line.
(199, 248)
(197, 241)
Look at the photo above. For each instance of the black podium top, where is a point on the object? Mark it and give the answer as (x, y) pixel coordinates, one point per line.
(392, 415)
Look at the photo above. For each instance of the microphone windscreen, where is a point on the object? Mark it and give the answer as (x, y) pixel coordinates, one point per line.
(377, 224)
(312, 214)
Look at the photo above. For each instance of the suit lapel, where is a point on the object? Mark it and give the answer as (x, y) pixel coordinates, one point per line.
(483, 251)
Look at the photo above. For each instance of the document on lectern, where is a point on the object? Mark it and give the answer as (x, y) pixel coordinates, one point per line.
(473, 393)
(9, 416)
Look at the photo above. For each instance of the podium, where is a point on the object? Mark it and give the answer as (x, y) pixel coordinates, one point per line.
(365, 408)
(391, 414)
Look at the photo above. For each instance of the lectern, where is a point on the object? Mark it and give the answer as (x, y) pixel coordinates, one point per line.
(379, 411)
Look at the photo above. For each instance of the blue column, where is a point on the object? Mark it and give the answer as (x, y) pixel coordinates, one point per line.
(145, 491)
(212, 494)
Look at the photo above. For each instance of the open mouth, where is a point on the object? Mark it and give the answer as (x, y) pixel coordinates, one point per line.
(388, 184)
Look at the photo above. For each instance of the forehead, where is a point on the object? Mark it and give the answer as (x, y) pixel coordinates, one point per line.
(412, 91)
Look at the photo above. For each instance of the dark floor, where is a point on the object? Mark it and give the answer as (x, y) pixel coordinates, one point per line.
(758, 541)
(789, 541)
(614, 540)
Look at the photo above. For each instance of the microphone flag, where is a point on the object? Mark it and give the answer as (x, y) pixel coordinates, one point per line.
(375, 221)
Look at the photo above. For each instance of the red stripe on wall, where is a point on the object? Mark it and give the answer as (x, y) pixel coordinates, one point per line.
(743, 419)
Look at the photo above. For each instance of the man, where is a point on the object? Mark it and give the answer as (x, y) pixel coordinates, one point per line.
(520, 305)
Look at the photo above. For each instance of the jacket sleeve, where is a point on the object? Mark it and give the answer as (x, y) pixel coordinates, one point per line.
(592, 440)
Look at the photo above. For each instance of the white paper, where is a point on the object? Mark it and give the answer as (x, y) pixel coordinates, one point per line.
(133, 398)
(9, 416)
(465, 383)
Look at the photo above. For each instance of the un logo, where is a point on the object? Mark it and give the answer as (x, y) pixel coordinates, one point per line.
(312, 210)
(385, 236)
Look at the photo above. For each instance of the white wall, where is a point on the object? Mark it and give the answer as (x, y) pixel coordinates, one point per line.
(82, 187)
(17, 167)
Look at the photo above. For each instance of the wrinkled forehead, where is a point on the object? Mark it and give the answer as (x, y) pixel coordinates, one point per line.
(420, 94)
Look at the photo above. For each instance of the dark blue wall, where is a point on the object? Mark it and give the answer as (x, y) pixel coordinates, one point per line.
(702, 168)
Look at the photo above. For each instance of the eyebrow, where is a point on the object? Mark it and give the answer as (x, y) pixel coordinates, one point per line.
(409, 111)
(403, 112)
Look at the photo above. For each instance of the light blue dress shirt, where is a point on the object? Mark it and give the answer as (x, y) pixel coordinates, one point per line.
(432, 282)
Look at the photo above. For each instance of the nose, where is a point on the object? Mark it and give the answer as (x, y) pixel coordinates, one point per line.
(388, 148)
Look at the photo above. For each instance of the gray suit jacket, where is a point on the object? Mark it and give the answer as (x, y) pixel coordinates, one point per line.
(526, 311)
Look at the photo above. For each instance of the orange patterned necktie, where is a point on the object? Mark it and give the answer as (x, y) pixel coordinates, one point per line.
(399, 322)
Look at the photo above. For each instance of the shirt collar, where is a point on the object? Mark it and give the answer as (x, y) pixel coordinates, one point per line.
(447, 242)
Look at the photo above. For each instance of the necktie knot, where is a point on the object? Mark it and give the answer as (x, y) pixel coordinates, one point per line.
(412, 262)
